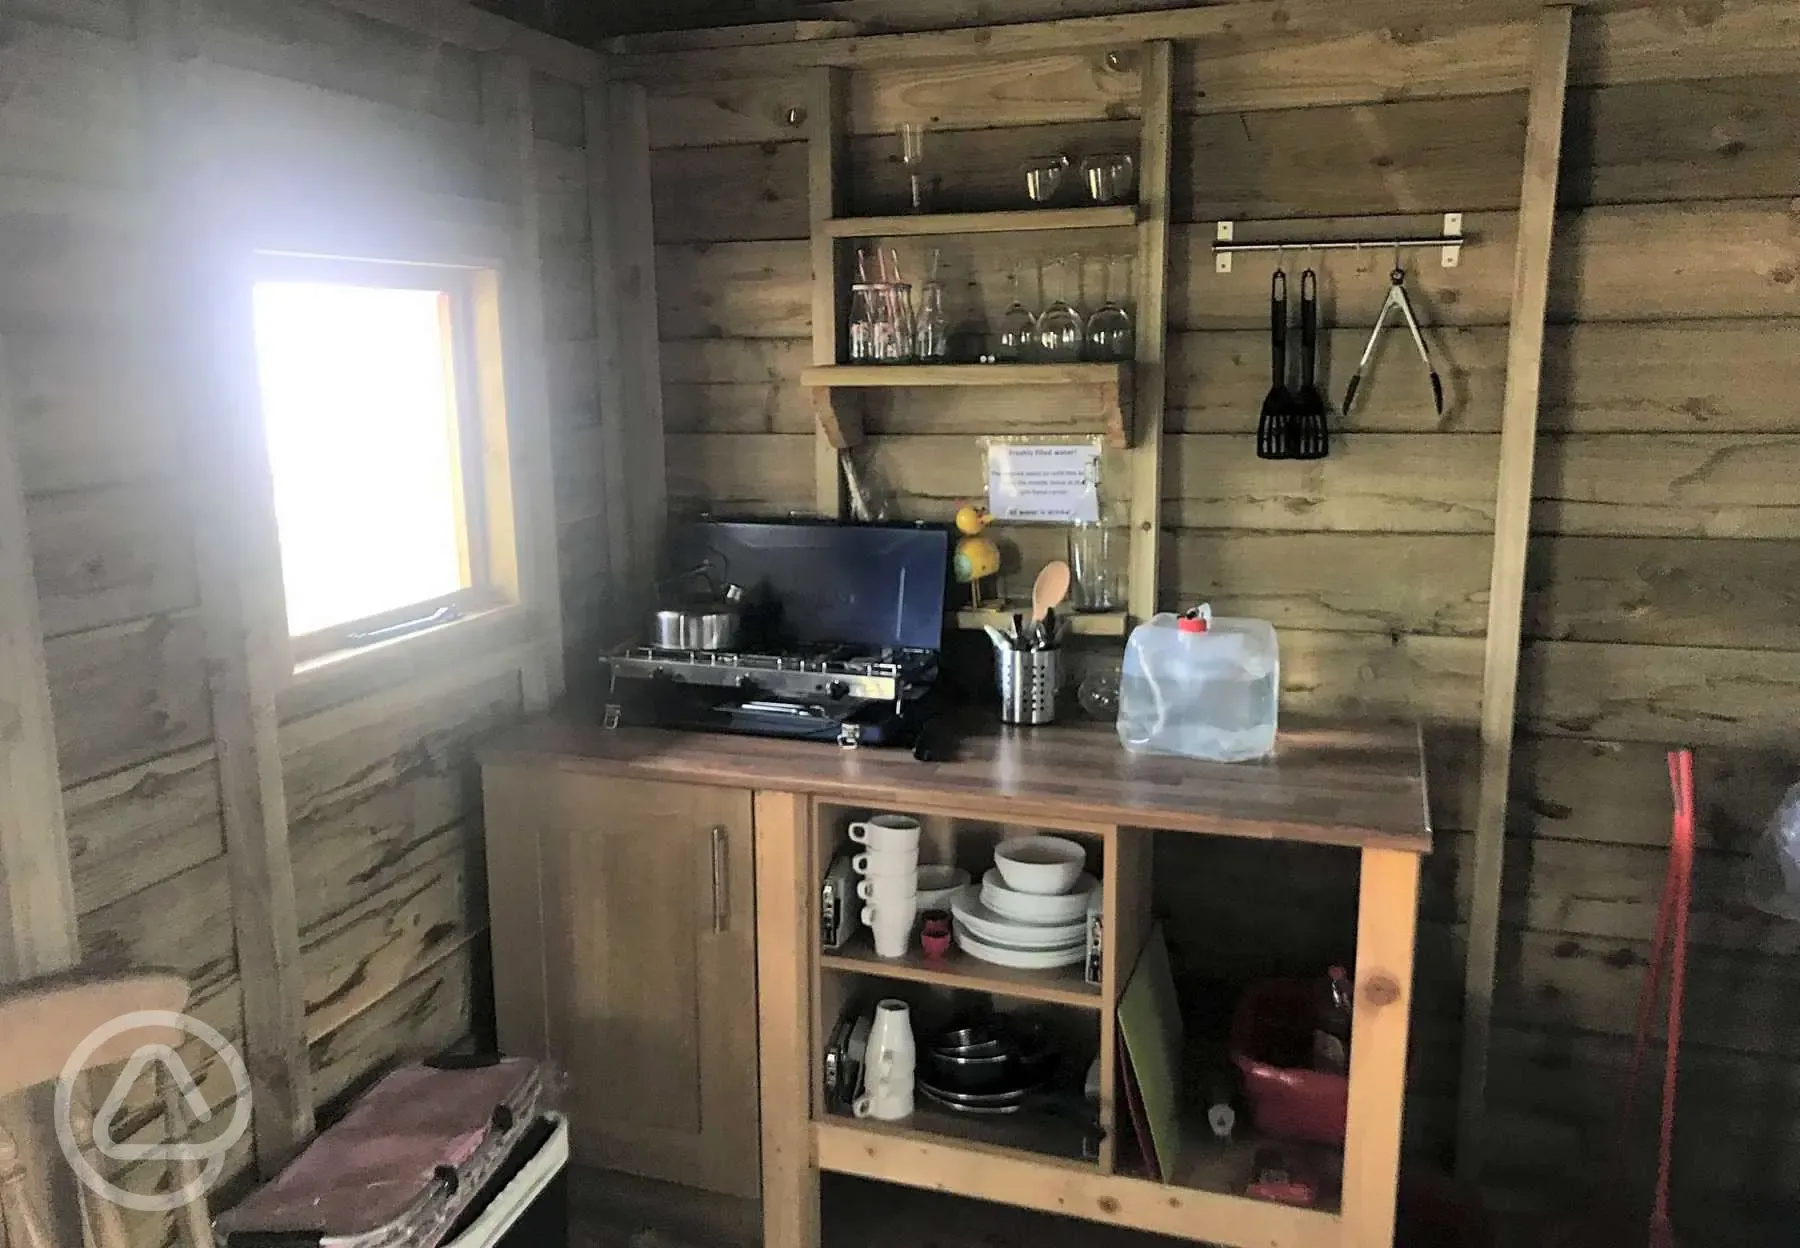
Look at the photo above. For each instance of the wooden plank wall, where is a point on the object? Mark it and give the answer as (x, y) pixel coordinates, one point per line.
(381, 787)
(1664, 530)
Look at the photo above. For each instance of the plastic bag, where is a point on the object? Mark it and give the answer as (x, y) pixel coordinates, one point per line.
(1774, 877)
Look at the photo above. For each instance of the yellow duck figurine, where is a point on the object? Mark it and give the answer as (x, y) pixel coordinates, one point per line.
(976, 555)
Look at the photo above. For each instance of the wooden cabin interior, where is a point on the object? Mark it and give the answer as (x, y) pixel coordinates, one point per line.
(303, 700)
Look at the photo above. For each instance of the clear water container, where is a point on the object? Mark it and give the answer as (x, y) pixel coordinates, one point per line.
(1200, 687)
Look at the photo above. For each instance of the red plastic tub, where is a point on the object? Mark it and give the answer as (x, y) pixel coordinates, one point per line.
(1271, 1043)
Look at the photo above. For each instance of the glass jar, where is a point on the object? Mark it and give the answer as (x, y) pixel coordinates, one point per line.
(862, 324)
(931, 336)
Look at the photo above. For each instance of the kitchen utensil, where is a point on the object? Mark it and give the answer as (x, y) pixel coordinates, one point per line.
(1097, 554)
(886, 832)
(1274, 429)
(1050, 588)
(963, 1072)
(1109, 330)
(1029, 681)
(986, 924)
(891, 920)
(912, 155)
(1001, 640)
(1061, 332)
(888, 863)
(1018, 959)
(1396, 298)
(700, 623)
(1311, 437)
(1040, 864)
(938, 886)
(891, 1045)
(1108, 176)
(1010, 903)
(1043, 175)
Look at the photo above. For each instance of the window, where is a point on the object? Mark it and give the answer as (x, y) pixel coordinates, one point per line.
(369, 411)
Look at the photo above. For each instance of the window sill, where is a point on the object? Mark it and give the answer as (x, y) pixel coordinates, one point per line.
(344, 675)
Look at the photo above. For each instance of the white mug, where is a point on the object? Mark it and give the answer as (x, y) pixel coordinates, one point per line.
(891, 1038)
(888, 888)
(887, 862)
(892, 923)
(887, 832)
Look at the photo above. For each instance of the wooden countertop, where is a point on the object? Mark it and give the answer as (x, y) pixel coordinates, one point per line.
(1336, 784)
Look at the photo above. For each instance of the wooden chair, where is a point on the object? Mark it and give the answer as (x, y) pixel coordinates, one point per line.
(41, 1023)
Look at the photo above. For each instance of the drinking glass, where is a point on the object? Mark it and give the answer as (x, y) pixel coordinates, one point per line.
(1059, 328)
(1109, 330)
(863, 319)
(894, 339)
(912, 155)
(931, 335)
(1018, 328)
(1097, 554)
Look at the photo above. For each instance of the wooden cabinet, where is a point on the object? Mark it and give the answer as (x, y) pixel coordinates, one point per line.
(624, 924)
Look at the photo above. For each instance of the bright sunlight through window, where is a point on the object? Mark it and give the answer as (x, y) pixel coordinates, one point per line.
(359, 399)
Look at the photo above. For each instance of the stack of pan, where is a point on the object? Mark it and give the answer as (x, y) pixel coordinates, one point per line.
(993, 1066)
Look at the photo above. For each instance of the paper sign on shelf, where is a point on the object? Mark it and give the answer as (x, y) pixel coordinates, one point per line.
(1044, 482)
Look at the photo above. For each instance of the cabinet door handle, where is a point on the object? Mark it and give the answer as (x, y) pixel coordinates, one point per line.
(721, 881)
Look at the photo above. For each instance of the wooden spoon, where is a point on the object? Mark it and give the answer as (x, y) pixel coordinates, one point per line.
(1051, 587)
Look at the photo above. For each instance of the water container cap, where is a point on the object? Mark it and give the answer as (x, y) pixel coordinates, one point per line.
(1196, 621)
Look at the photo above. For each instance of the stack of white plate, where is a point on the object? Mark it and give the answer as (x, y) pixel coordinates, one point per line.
(1001, 923)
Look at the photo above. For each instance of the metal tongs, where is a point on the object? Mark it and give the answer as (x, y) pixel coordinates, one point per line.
(1396, 298)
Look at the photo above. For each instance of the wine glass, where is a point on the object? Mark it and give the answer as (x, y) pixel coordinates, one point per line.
(912, 155)
(1109, 330)
(1059, 328)
(1018, 327)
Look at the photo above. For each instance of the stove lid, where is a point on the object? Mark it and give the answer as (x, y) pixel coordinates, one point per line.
(817, 583)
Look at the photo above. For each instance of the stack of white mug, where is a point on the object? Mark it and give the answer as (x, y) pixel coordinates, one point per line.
(890, 884)
(889, 1064)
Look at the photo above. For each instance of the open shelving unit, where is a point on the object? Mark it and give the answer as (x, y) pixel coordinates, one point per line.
(1133, 392)
(1036, 1158)
(1080, 624)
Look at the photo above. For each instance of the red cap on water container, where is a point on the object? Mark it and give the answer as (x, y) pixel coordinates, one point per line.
(1196, 621)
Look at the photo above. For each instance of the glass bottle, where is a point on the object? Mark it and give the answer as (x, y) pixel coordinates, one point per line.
(862, 324)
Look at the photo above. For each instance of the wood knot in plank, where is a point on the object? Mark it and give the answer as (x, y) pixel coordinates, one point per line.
(1109, 1205)
(1381, 989)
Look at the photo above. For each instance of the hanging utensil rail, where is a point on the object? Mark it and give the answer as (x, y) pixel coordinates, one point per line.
(1450, 242)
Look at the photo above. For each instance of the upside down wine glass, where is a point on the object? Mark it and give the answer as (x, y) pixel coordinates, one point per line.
(1018, 328)
(1109, 330)
(1059, 330)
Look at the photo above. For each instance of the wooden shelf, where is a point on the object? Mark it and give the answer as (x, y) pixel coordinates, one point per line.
(837, 376)
(1080, 624)
(840, 419)
(1022, 1176)
(956, 969)
(1036, 1136)
(1111, 216)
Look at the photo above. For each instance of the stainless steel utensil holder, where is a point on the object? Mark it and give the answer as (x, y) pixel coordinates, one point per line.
(1028, 685)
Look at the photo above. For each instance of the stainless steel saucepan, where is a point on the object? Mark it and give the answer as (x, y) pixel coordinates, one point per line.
(700, 624)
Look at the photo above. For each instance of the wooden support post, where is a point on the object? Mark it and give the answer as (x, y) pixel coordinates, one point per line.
(786, 899)
(1512, 531)
(1150, 385)
(206, 354)
(825, 176)
(532, 571)
(1386, 925)
(37, 899)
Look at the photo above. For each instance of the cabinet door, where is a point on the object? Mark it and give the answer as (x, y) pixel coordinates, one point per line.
(647, 927)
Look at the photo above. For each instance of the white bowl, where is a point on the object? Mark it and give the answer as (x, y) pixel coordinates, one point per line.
(1045, 865)
(985, 925)
(1019, 959)
(1033, 907)
(938, 886)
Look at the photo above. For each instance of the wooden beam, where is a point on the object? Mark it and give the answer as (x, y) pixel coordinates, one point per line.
(1512, 532)
(826, 172)
(37, 895)
(1387, 913)
(205, 351)
(628, 561)
(785, 901)
(1149, 389)
(529, 502)
(463, 24)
